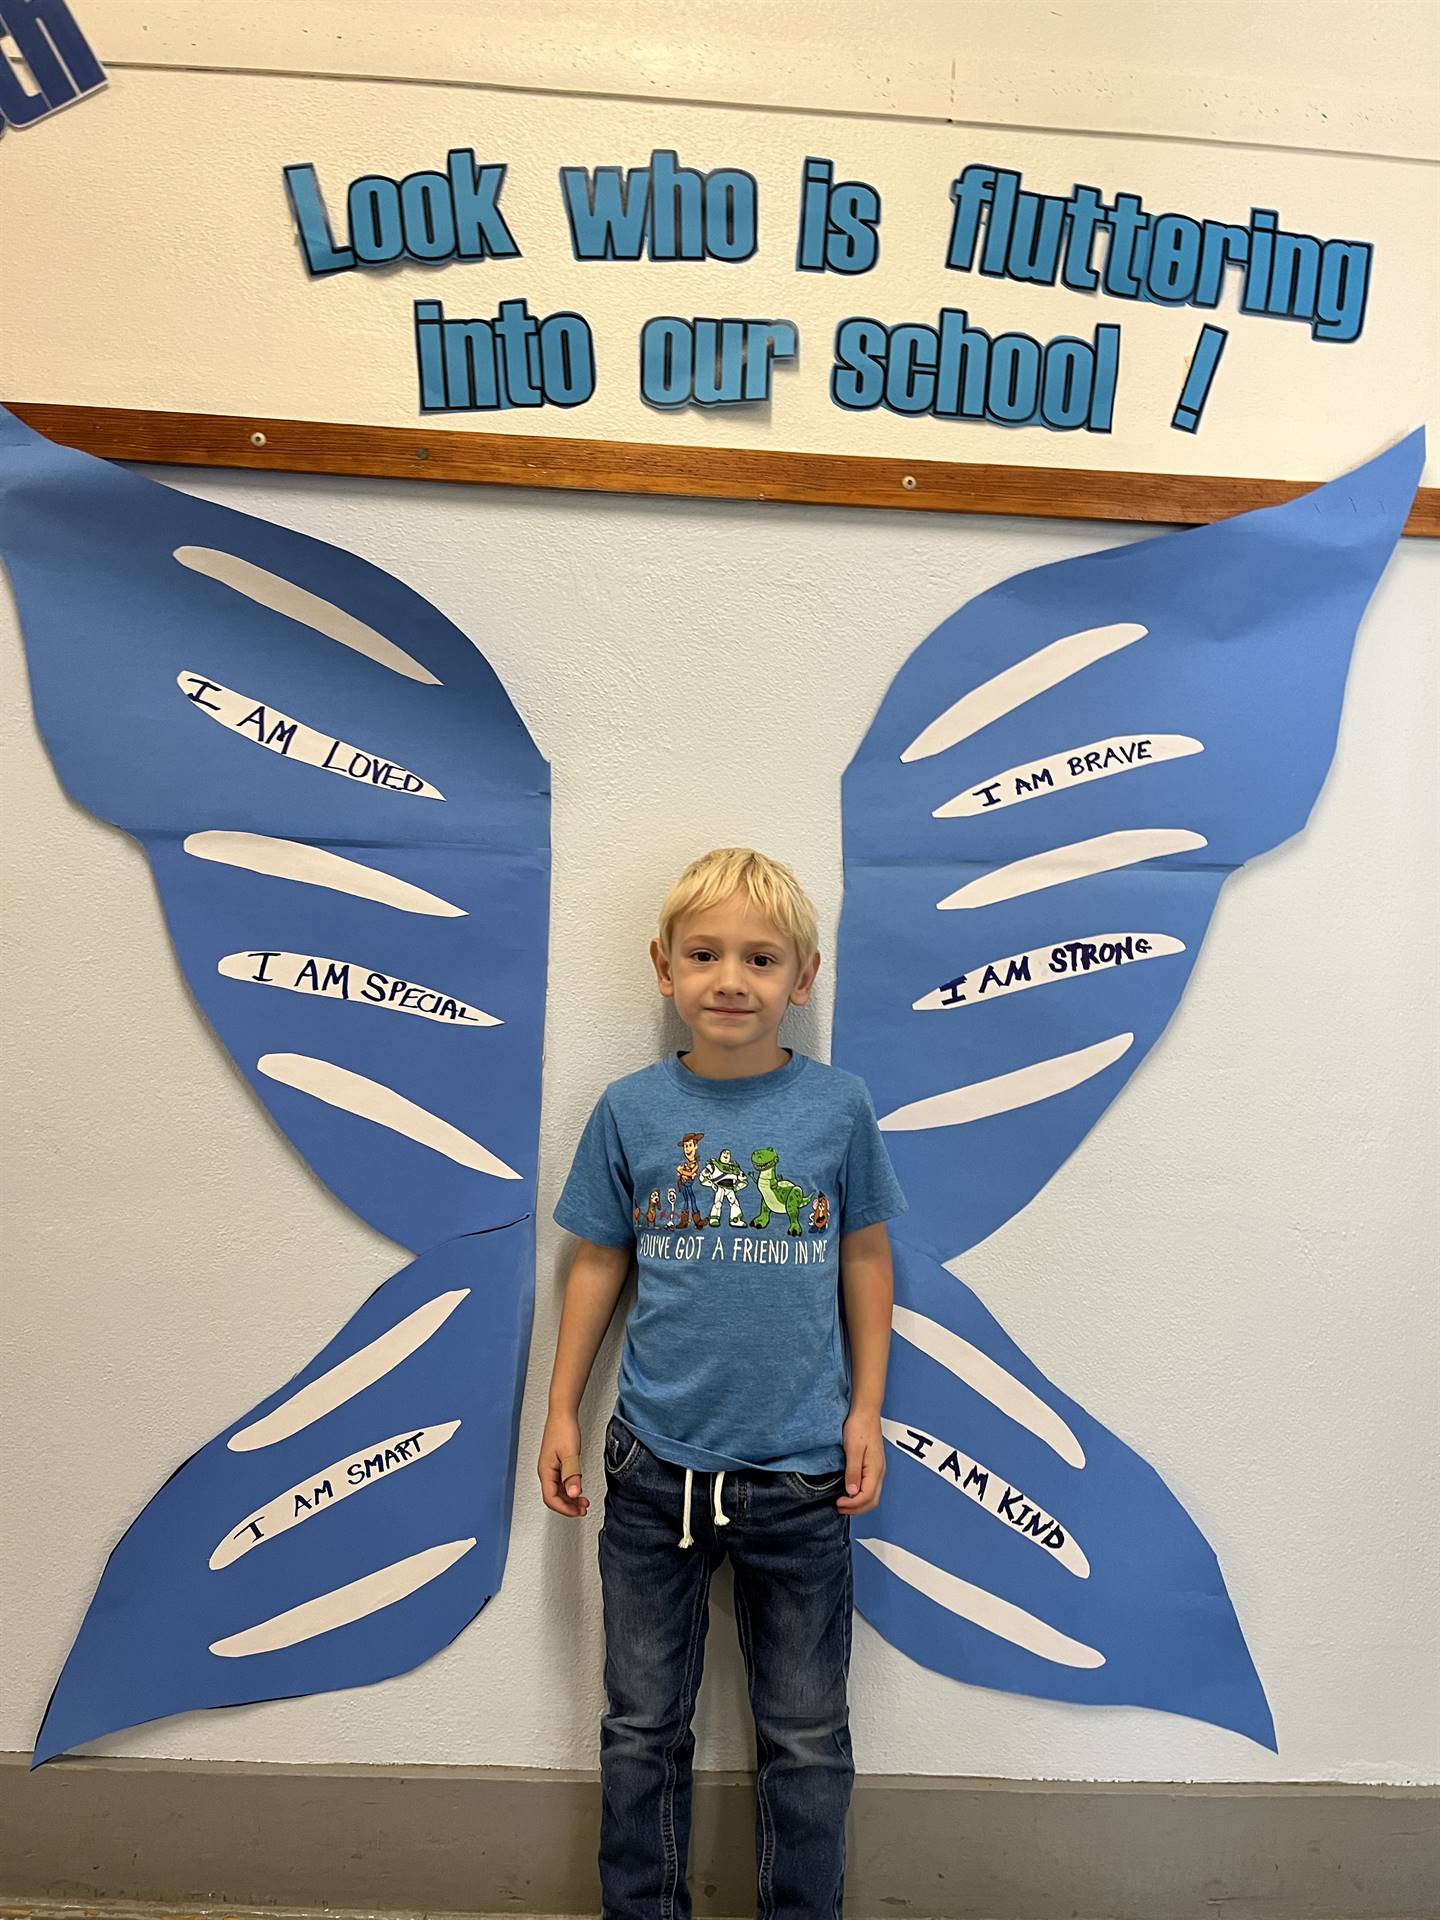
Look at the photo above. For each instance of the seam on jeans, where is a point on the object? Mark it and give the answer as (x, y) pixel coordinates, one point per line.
(827, 1484)
(764, 1885)
(837, 1912)
(667, 1792)
(622, 1466)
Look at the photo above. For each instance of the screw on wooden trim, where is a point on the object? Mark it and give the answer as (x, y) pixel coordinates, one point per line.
(257, 440)
(422, 453)
(908, 483)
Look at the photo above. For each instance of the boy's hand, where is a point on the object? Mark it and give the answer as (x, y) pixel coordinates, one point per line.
(559, 1467)
(864, 1463)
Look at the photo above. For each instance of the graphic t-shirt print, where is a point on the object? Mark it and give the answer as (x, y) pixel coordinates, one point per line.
(736, 1192)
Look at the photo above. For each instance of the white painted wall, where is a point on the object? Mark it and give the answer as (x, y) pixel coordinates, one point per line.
(1237, 1271)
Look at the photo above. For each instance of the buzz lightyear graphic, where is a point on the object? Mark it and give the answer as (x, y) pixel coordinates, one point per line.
(726, 1178)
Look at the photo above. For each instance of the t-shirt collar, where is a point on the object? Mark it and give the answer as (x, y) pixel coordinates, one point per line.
(696, 1083)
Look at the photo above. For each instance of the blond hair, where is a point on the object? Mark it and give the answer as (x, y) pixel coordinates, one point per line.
(771, 889)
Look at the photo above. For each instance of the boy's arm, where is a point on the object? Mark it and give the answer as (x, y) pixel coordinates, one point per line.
(867, 1280)
(597, 1274)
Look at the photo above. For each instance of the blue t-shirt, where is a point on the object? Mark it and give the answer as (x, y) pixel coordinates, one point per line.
(735, 1194)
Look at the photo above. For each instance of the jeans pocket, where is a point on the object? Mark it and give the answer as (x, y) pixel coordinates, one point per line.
(622, 1449)
(815, 1484)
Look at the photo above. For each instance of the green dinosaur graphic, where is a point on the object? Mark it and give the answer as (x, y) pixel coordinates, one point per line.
(776, 1194)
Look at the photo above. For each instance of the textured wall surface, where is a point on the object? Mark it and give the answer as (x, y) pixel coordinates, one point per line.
(1236, 1271)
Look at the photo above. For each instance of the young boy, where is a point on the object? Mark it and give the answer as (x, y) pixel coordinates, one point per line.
(735, 1368)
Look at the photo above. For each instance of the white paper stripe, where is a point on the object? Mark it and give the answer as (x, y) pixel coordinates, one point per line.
(318, 1492)
(315, 867)
(351, 981)
(349, 1377)
(1000, 1617)
(991, 1492)
(1078, 861)
(991, 1381)
(1041, 1080)
(1078, 959)
(280, 595)
(1072, 768)
(372, 1100)
(280, 733)
(342, 1605)
(1035, 674)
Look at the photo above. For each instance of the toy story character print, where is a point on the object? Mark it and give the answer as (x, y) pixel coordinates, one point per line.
(729, 1175)
(727, 1179)
(686, 1174)
(777, 1195)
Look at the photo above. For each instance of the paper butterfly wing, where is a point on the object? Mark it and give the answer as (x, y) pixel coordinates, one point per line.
(1036, 827)
(274, 719)
(1020, 1545)
(340, 1533)
(1092, 746)
(348, 825)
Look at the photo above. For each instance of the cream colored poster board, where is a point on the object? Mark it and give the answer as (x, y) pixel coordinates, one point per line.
(397, 240)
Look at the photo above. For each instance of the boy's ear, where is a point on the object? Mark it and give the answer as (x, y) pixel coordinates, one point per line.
(662, 970)
(800, 993)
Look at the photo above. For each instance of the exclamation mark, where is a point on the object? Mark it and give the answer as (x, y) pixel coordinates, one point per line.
(1196, 390)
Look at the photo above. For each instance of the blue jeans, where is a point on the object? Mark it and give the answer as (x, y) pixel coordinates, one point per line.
(789, 1547)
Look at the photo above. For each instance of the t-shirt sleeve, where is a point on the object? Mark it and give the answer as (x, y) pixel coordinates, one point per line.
(596, 1201)
(870, 1192)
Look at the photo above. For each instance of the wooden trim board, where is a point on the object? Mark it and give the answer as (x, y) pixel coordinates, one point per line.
(617, 466)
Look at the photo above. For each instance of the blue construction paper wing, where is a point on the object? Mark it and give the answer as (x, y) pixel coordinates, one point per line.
(343, 1531)
(322, 769)
(1020, 1545)
(348, 825)
(1036, 827)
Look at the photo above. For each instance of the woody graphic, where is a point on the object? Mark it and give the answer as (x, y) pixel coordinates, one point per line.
(685, 1176)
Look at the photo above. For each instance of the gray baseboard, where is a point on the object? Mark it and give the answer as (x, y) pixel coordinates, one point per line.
(494, 1840)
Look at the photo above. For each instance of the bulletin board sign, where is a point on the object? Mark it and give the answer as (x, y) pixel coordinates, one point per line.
(569, 291)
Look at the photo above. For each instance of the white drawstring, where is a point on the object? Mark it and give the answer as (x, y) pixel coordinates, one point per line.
(722, 1519)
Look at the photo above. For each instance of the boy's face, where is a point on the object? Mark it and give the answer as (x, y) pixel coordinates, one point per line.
(732, 973)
